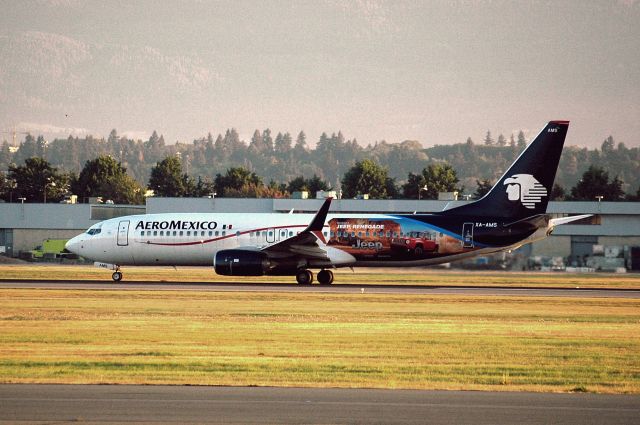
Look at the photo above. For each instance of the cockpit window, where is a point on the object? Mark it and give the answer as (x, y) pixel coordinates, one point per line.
(94, 230)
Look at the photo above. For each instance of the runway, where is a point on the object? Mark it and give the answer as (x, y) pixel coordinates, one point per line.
(92, 404)
(345, 288)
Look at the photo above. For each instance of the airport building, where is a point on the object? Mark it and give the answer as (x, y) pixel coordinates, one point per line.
(25, 226)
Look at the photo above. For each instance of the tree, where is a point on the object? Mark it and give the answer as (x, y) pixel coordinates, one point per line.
(436, 177)
(315, 183)
(256, 142)
(203, 187)
(298, 184)
(608, 145)
(7, 187)
(414, 186)
(312, 185)
(235, 180)
(501, 140)
(365, 177)
(121, 189)
(282, 144)
(557, 193)
(522, 142)
(484, 186)
(301, 142)
(104, 176)
(595, 182)
(167, 179)
(5, 156)
(267, 140)
(488, 140)
(36, 177)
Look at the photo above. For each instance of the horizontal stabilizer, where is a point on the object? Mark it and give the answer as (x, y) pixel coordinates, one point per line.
(564, 220)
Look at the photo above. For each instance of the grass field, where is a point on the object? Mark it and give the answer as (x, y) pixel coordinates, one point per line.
(361, 276)
(318, 340)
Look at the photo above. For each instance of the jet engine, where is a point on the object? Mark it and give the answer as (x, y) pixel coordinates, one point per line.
(241, 262)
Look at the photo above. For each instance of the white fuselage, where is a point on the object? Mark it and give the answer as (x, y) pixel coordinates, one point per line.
(194, 239)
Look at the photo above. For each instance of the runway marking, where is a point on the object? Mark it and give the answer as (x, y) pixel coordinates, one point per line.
(335, 288)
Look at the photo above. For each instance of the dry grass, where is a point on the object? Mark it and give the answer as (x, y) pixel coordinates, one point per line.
(320, 340)
(361, 276)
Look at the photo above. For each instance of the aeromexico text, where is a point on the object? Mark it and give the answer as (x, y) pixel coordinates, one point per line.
(176, 225)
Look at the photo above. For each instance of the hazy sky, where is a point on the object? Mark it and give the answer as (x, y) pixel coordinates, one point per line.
(432, 71)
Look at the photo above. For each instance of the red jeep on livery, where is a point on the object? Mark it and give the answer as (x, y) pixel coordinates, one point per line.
(416, 243)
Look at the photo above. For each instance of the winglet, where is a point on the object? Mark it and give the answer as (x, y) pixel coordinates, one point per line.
(317, 223)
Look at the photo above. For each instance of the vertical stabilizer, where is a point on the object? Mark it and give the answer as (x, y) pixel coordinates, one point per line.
(524, 190)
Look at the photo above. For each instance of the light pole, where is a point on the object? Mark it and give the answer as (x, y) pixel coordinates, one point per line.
(48, 183)
(420, 191)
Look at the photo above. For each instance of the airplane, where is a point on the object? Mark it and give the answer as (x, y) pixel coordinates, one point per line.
(511, 214)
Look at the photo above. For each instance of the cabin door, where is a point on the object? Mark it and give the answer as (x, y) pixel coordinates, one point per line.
(123, 233)
(467, 235)
(274, 235)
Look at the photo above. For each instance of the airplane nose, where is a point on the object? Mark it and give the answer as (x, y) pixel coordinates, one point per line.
(72, 245)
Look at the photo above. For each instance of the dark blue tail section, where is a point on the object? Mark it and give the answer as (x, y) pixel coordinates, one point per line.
(524, 190)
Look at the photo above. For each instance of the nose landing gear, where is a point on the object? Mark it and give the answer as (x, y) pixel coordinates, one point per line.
(117, 275)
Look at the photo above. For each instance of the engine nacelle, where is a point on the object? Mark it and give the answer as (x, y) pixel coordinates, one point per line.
(240, 262)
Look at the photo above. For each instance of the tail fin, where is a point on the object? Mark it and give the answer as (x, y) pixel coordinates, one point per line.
(524, 190)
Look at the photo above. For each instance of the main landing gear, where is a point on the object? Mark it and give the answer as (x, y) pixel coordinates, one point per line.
(325, 277)
(305, 277)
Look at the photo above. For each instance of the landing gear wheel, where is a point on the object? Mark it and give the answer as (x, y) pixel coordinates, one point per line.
(116, 276)
(304, 277)
(418, 251)
(325, 277)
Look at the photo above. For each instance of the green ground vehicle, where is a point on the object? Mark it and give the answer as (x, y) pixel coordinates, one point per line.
(51, 249)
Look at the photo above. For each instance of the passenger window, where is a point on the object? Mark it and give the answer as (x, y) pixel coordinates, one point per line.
(290, 233)
(181, 233)
(188, 232)
(217, 233)
(161, 232)
(202, 233)
(210, 233)
(175, 233)
(224, 233)
(142, 233)
(155, 233)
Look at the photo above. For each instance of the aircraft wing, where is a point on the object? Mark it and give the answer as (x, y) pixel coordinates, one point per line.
(309, 244)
